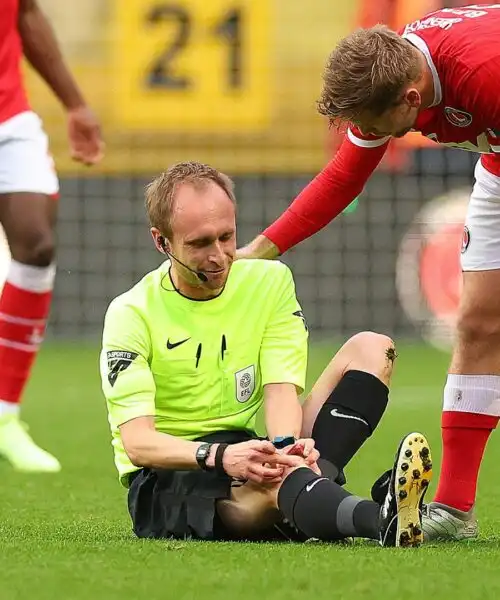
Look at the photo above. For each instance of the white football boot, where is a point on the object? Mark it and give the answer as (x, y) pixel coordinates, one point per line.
(445, 523)
(18, 448)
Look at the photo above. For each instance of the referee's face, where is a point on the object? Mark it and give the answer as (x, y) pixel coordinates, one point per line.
(203, 237)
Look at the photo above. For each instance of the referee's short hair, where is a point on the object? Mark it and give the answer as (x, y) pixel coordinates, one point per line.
(160, 193)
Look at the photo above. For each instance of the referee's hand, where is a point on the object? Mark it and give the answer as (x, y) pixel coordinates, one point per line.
(305, 447)
(258, 461)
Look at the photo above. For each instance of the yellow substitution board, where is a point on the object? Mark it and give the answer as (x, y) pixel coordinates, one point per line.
(192, 65)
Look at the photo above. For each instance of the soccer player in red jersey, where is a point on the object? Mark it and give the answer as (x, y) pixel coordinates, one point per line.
(438, 76)
(28, 207)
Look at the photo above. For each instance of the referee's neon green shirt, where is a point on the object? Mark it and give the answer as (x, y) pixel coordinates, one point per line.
(199, 366)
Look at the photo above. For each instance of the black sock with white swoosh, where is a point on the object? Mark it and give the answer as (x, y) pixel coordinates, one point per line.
(349, 416)
(320, 508)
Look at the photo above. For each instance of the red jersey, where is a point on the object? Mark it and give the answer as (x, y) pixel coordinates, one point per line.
(13, 98)
(462, 49)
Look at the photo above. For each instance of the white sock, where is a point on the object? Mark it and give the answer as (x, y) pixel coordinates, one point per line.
(30, 278)
(479, 394)
(8, 408)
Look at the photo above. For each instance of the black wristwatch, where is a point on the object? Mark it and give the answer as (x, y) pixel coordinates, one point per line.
(202, 454)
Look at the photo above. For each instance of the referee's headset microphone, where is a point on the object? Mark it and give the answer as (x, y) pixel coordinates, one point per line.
(201, 276)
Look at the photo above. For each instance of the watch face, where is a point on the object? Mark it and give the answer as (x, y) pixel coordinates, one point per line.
(202, 455)
(202, 451)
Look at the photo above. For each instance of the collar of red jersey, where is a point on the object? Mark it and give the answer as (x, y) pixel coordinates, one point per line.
(419, 43)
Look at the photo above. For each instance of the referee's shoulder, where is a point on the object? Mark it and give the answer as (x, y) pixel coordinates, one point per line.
(137, 295)
(262, 267)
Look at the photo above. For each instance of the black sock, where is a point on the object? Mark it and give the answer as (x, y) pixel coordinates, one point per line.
(320, 508)
(349, 416)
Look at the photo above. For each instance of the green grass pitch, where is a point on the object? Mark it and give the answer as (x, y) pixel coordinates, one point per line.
(68, 535)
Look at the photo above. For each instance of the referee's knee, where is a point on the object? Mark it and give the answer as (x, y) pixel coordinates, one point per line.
(372, 340)
(373, 353)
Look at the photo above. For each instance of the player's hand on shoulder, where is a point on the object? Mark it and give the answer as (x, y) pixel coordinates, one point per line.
(258, 461)
(260, 247)
(244, 252)
(248, 251)
(85, 139)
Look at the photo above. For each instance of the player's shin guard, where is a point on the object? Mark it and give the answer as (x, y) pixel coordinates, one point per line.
(24, 308)
(320, 508)
(470, 413)
(349, 416)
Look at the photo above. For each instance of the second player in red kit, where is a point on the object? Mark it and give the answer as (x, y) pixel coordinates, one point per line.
(438, 76)
(28, 208)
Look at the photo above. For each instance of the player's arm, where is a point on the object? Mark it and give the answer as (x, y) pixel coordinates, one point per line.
(283, 361)
(325, 197)
(42, 50)
(129, 388)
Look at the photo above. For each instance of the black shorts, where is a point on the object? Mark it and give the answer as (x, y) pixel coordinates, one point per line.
(181, 504)
(165, 503)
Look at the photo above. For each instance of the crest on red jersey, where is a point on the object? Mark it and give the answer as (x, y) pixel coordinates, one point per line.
(456, 117)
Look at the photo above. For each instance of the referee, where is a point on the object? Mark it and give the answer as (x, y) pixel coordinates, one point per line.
(196, 348)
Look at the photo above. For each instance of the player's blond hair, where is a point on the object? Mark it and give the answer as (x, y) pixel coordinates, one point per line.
(367, 71)
(160, 193)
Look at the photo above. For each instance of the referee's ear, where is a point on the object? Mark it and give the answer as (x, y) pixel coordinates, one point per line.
(159, 240)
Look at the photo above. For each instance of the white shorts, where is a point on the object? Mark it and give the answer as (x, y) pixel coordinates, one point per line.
(26, 164)
(481, 240)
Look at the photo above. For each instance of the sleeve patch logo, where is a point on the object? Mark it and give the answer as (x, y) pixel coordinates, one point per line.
(118, 361)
